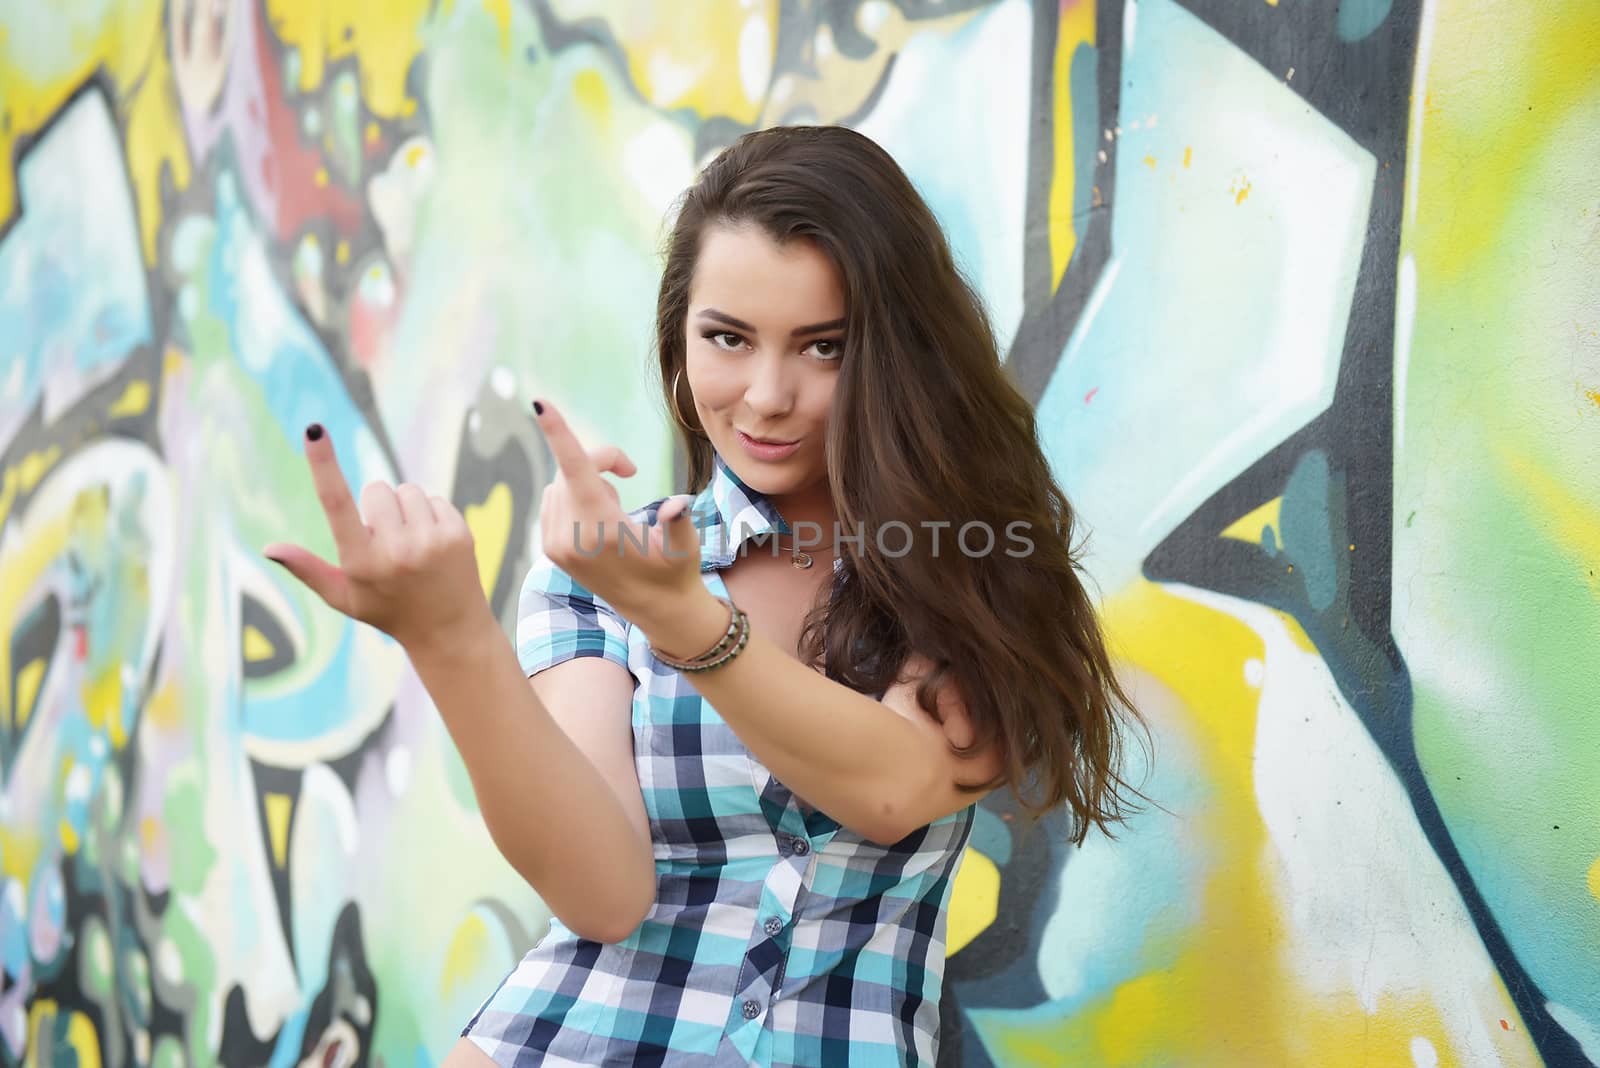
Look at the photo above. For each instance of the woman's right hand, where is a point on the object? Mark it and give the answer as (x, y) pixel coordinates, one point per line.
(406, 563)
(638, 569)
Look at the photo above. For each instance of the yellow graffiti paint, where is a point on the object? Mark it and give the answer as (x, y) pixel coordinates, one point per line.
(1572, 521)
(20, 849)
(35, 465)
(38, 77)
(1075, 31)
(82, 1039)
(1544, 62)
(20, 568)
(90, 514)
(835, 86)
(463, 958)
(69, 838)
(28, 680)
(1248, 527)
(490, 523)
(102, 698)
(1187, 1010)
(326, 31)
(257, 647)
(164, 709)
(1594, 879)
(278, 809)
(589, 89)
(173, 362)
(974, 900)
(135, 400)
(8, 492)
(1200, 655)
(155, 144)
(1297, 633)
(40, 1014)
(500, 11)
(701, 57)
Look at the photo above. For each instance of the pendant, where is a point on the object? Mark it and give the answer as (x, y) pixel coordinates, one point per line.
(802, 560)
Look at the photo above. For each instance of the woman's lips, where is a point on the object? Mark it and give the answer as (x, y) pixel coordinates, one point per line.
(766, 450)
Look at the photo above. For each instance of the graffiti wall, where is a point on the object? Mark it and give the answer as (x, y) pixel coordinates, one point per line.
(1305, 294)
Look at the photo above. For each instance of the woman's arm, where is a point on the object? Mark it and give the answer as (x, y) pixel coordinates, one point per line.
(883, 769)
(552, 768)
(559, 794)
(880, 768)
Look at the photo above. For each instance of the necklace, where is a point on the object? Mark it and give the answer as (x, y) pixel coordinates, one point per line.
(800, 558)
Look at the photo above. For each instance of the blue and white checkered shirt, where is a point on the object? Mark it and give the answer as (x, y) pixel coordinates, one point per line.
(777, 936)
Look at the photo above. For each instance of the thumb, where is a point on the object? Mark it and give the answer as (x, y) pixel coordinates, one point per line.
(321, 577)
(675, 509)
(676, 517)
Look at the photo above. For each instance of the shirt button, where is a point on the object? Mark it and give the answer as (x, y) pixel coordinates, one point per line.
(773, 925)
(752, 1009)
(801, 847)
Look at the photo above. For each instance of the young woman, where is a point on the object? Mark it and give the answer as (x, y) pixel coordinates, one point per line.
(761, 713)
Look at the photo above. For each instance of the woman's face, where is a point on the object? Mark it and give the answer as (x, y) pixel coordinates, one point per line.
(765, 336)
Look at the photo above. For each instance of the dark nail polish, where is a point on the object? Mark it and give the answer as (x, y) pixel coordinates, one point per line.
(314, 432)
(538, 409)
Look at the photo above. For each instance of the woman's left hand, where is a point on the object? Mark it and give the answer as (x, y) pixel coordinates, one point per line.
(643, 571)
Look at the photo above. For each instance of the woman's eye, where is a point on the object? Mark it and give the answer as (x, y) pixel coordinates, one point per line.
(718, 338)
(826, 349)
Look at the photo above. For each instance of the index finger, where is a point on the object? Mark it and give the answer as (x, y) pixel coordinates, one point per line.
(350, 534)
(571, 457)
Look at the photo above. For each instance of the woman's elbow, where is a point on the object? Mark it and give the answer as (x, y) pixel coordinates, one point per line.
(614, 928)
(891, 817)
(599, 907)
(619, 918)
(883, 821)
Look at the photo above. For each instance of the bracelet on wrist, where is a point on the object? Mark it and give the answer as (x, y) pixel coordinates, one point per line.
(730, 645)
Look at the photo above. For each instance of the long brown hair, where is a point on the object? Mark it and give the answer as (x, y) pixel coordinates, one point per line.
(926, 428)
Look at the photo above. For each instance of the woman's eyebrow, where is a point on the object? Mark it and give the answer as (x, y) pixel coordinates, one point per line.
(818, 328)
(740, 324)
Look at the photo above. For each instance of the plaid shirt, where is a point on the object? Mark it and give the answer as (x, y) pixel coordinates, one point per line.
(777, 937)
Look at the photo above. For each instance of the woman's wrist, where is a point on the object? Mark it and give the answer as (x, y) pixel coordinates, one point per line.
(453, 643)
(686, 626)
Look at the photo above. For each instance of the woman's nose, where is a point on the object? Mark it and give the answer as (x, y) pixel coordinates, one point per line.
(769, 394)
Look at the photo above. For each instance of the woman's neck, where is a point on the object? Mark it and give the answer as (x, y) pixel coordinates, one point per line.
(814, 508)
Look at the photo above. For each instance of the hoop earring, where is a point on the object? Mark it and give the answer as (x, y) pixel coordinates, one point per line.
(677, 413)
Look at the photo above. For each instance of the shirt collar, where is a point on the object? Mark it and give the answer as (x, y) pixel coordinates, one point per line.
(729, 513)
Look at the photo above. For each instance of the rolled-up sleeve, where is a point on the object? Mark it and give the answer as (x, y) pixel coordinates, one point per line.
(558, 620)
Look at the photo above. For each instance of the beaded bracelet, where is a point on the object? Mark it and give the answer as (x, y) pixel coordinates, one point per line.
(729, 646)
